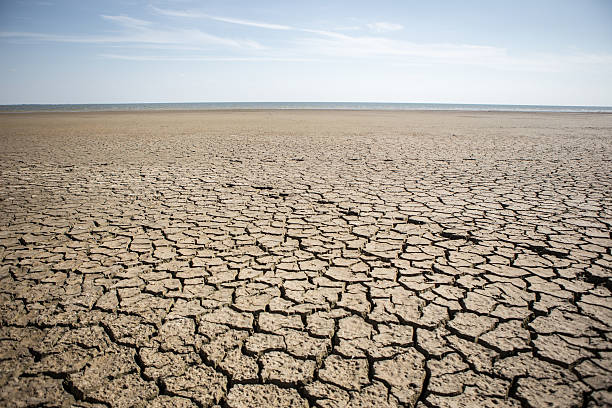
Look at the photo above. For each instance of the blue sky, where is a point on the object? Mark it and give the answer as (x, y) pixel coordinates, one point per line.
(508, 52)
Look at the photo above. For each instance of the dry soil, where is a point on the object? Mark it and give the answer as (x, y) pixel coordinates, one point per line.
(305, 258)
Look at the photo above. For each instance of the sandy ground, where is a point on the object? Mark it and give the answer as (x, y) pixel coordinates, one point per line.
(305, 258)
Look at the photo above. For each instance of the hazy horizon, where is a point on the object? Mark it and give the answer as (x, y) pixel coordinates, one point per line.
(324, 105)
(555, 53)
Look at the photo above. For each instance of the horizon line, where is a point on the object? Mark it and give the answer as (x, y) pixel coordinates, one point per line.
(303, 102)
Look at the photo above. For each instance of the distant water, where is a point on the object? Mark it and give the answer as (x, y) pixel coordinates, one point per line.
(297, 105)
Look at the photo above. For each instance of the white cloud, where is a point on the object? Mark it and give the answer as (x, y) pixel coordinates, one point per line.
(231, 20)
(306, 44)
(383, 27)
(199, 58)
(22, 35)
(180, 38)
(251, 23)
(126, 21)
(405, 52)
(325, 33)
(137, 31)
(350, 46)
(174, 13)
(195, 14)
(347, 28)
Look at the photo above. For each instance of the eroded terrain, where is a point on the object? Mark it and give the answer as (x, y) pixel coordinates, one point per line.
(295, 259)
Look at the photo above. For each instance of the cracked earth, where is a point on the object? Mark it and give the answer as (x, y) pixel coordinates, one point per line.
(301, 259)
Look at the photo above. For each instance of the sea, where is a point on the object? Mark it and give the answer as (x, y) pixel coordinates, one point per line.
(296, 105)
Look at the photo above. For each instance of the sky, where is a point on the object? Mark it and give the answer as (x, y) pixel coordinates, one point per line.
(546, 52)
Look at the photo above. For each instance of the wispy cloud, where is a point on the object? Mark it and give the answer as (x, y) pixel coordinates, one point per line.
(127, 21)
(298, 44)
(259, 24)
(201, 58)
(137, 31)
(405, 52)
(367, 46)
(179, 37)
(383, 27)
(196, 14)
(379, 27)
(22, 35)
(347, 28)
(398, 50)
(176, 13)
(251, 23)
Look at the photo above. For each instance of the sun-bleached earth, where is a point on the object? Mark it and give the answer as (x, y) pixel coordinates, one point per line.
(304, 258)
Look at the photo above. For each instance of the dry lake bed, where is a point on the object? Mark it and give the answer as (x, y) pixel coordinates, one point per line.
(305, 258)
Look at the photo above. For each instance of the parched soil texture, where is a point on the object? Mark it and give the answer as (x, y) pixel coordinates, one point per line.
(305, 258)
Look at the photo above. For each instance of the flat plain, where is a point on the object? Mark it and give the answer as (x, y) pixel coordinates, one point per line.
(305, 258)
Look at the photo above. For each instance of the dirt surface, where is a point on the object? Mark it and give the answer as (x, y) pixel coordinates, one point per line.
(305, 258)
